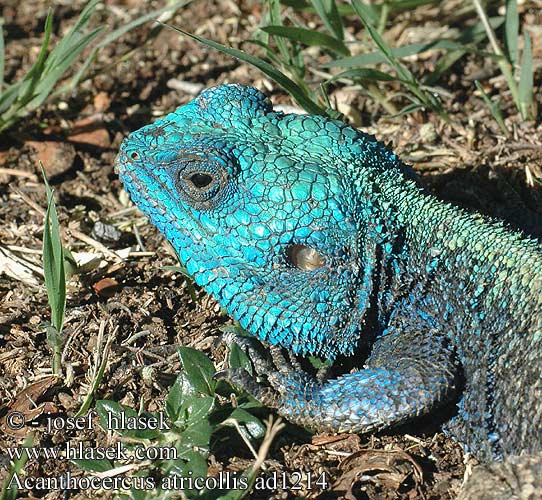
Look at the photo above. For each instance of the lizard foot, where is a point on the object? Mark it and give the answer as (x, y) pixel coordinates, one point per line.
(283, 376)
(362, 401)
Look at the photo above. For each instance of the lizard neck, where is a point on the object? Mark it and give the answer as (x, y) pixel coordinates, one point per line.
(477, 263)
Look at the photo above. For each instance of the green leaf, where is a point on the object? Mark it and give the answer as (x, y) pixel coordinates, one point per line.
(7, 98)
(70, 264)
(511, 27)
(254, 427)
(378, 57)
(367, 13)
(119, 416)
(178, 394)
(363, 13)
(53, 262)
(197, 431)
(199, 370)
(140, 495)
(525, 88)
(106, 407)
(318, 363)
(239, 358)
(178, 269)
(268, 49)
(54, 337)
(189, 463)
(75, 35)
(289, 85)
(284, 54)
(346, 10)
(38, 84)
(251, 403)
(308, 37)
(14, 101)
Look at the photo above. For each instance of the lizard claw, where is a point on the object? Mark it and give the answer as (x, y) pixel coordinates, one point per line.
(244, 380)
(280, 378)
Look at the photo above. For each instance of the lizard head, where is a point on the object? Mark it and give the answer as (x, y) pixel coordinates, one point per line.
(265, 212)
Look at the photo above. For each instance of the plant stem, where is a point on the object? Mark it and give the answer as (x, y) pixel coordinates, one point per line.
(502, 61)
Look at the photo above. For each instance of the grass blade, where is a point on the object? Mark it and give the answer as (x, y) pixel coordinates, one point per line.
(270, 55)
(308, 37)
(140, 20)
(111, 37)
(364, 74)
(525, 89)
(503, 62)
(329, 14)
(471, 36)
(275, 18)
(7, 98)
(31, 79)
(73, 36)
(2, 57)
(464, 42)
(401, 5)
(55, 276)
(64, 61)
(364, 13)
(494, 107)
(11, 493)
(40, 81)
(53, 262)
(511, 28)
(289, 85)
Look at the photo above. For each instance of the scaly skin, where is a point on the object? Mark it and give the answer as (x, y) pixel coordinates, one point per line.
(316, 238)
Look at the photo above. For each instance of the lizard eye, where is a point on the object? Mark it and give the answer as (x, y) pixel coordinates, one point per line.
(201, 182)
(305, 258)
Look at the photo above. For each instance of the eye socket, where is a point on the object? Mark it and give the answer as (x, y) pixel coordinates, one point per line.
(202, 182)
(201, 179)
(134, 155)
(305, 258)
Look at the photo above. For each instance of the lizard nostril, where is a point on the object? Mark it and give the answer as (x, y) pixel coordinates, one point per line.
(306, 258)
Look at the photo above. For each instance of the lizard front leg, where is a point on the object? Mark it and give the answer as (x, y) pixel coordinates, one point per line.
(411, 370)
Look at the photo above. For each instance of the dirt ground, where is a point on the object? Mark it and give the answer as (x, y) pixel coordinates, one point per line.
(127, 296)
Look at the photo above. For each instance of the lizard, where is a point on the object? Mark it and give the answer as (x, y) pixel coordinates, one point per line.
(319, 240)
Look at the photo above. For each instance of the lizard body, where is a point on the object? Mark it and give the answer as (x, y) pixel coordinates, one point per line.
(318, 239)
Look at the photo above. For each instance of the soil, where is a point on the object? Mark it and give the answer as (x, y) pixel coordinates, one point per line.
(146, 311)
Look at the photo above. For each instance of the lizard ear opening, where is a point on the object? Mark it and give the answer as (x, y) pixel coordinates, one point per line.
(305, 258)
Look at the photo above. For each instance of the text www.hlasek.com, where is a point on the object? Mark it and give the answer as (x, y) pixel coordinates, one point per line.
(78, 451)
